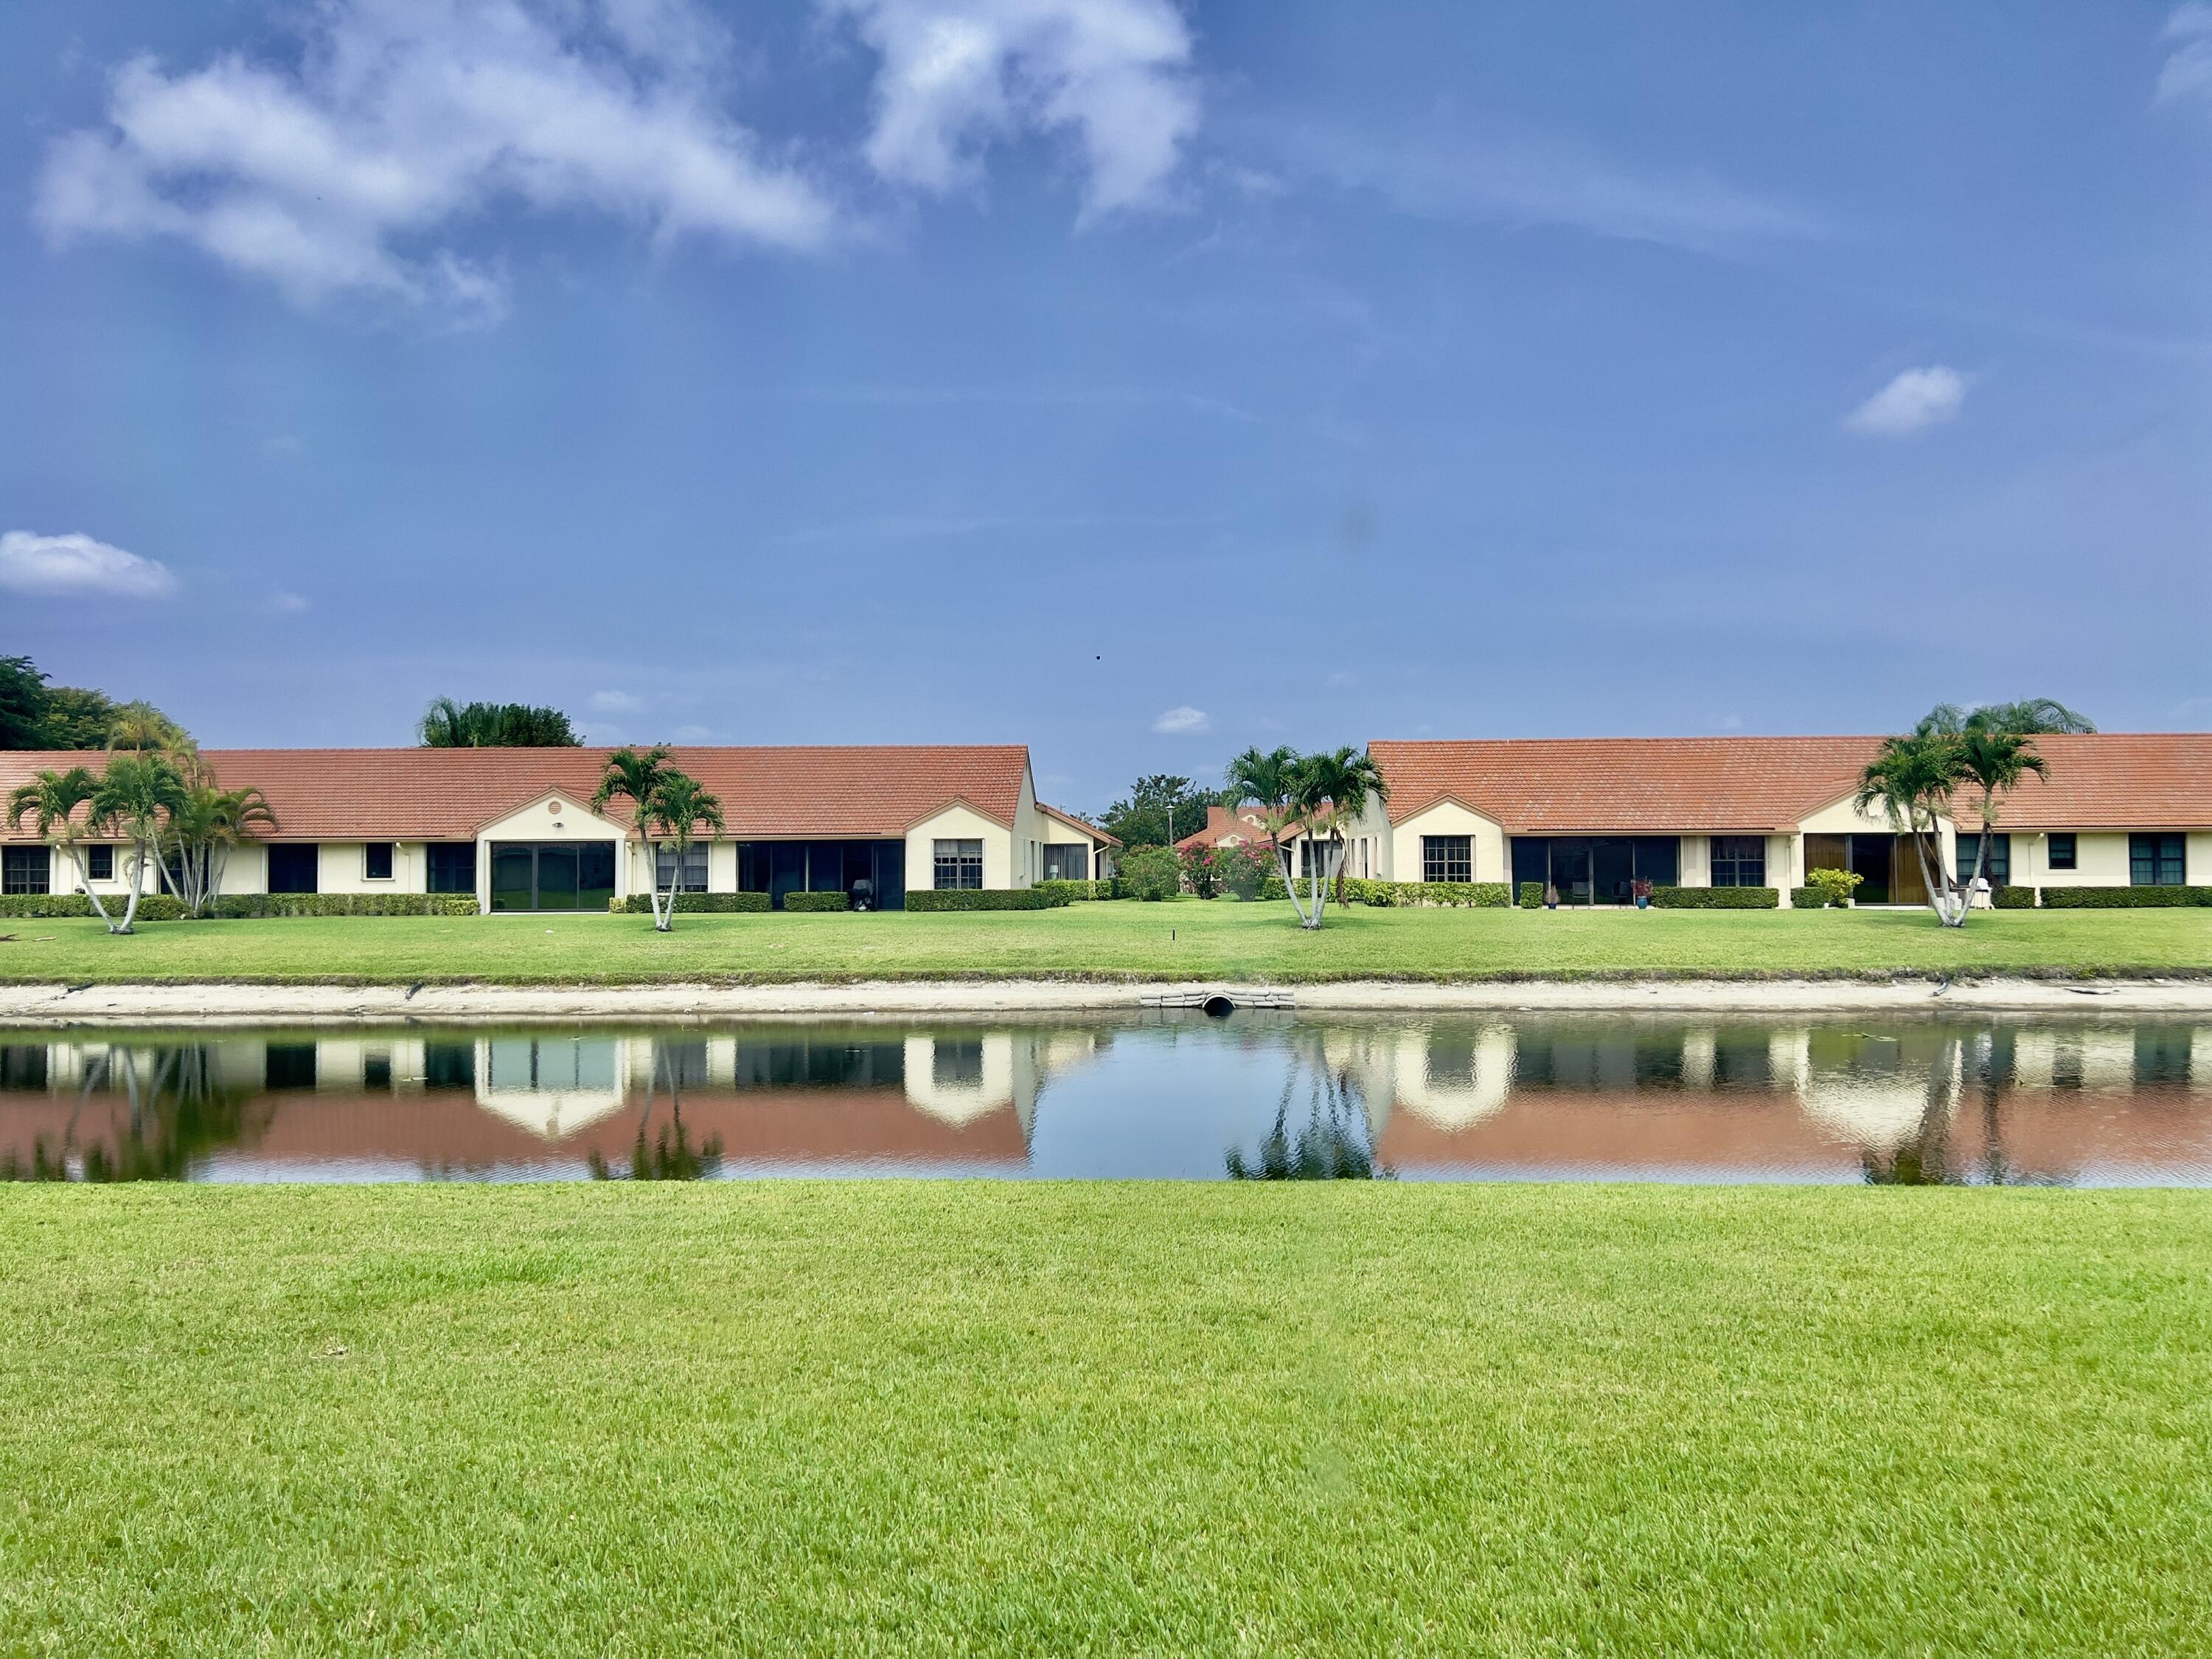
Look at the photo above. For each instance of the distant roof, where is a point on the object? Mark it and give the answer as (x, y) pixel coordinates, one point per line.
(1226, 826)
(1075, 822)
(1539, 786)
(448, 794)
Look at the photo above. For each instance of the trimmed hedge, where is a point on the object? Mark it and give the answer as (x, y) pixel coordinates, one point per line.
(2013, 899)
(1477, 894)
(241, 907)
(1806, 898)
(980, 898)
(1532, 895)
(687, 905)
(1077, 892)
(2123, 898)
(52, 907)
(816, 902)
(1715, 898)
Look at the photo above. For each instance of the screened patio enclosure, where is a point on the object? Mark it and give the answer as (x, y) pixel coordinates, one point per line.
(870, 871)
(573, 875)
(1597, 869)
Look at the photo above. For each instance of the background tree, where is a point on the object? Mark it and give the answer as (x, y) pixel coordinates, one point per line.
(678, 806)
(2029, 717)
(51, 800)
(137, 796)
(447, 724)
(1158, 810)
(22, 703)
(36, 715)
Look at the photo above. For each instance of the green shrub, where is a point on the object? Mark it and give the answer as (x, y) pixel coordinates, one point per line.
(243, 907)
(1714, 899)
(1245, 873)
(2013, 899)
(837, 901)
(2123, 898)
(1075, 892)
(1471, 895)
(1835, 885)
(1150, 872)
(752, 904)
(979, 898)
(1201, 869)
(1808, 898)
(1532, 895)
(46, 906)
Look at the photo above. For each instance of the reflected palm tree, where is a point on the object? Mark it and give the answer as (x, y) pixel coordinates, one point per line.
(1924, 1159)
(1332, 1144)
(669, 1155)
(182, 1111)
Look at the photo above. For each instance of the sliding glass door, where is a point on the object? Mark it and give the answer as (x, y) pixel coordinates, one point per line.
(552, 875)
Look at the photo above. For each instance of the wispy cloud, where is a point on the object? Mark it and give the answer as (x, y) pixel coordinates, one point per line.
(927, 527)
(1916, 400)
(288, 604)
(77, 566)
(616, 702)
(352, 168)
(1182, 721)
(2187, 72)
(1528, 178)
(959, 76)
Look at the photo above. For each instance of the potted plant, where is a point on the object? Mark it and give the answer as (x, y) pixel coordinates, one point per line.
(1640, 889)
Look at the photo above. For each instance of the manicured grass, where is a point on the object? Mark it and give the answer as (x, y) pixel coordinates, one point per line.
(971, 1418)
(1220, 939)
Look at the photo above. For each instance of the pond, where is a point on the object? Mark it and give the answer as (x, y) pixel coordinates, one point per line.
(1155, 1094)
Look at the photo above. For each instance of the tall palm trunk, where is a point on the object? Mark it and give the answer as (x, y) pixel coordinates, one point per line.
(74, 854)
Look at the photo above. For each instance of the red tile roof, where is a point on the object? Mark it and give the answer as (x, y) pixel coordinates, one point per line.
(1075, 822)
(448, 794)
(1227, 825)
(1659, 785)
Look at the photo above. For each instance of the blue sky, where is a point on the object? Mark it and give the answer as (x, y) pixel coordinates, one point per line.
(1135, 380)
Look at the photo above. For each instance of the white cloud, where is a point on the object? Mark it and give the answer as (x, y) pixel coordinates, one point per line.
(1183, 721)
(1916, 400)
(616, 702)
(349, 170)
(958, 75)
(290, 605)
(284, 444)
(75, 565)
(2188, 69)
(1535, 178)
(694, 733)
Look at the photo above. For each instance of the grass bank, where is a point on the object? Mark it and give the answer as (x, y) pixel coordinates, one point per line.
(1178, 940)
(921, 1418)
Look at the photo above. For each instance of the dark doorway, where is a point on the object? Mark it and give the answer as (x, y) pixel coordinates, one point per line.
(870, 872)
(552, 875)
(1871, 857)
(1597, 869)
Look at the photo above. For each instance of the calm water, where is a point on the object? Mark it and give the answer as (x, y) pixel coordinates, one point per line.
(1159, 1094)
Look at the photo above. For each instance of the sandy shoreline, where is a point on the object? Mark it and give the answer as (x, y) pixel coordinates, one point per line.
(251, 1004)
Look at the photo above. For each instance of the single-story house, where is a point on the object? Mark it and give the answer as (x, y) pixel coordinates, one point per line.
(515, 827)
(1589, 816)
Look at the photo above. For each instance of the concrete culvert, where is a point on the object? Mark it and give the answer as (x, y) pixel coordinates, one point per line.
(1219, 1007)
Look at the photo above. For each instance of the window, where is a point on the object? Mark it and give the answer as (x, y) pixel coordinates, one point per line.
(289, 1065)
(100, 863)
(2157, 859)
(1447, 858)
(694, 870)
(376, 860)
(959, 864)
(452, 866)
(2062, 852)
(957, 1063)
(293, 868)
(2000, 870)
(1739, 860)
(376, 1070)
(26, 869)
(1067, 861)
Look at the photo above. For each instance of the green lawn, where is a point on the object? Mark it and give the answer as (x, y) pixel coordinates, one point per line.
(1220, 939)
(913, 1417)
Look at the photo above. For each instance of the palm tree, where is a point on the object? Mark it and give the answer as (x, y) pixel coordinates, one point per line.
(447, 724)
(631, 776)
(209, 822)
(677, 805)
(50, 799)
(1269, 781)
(1334, 790)
(1912, 779)
(139, 797)
(1994, 759)
(2029, 717)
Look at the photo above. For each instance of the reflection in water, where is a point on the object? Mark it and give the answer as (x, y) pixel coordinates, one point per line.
(1332, 1144)
(1147, 1094)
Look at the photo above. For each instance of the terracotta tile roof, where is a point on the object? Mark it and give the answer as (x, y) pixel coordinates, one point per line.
(1659, 785)
(448, 794)
(1225, 826)
(1075, 822)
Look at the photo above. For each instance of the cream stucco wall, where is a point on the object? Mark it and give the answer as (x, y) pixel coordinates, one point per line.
(1485, 840)
(2100, 859)
(555, 817)
(1697, 866)
(1785, 861)
(959, 823)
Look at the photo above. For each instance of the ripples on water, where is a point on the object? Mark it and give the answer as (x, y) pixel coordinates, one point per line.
(1539, 1098)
